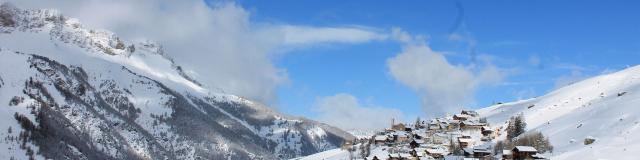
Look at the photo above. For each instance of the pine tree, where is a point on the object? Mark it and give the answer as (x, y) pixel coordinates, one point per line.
(516, 126)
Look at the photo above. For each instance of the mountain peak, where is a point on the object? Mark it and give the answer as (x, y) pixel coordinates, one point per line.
(79, 93)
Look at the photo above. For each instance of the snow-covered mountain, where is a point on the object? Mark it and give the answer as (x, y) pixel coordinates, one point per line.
(605, 107)
(72, 92)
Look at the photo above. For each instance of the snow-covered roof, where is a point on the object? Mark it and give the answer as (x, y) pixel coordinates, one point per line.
(468, 150)
(380, 138)
(506, 152)
(485, 146)
(486, 128)
(435, 151)
(526, 149)
(440, 135)
(400, 133)
(472, 123)
(481, 150)
(394, 155)
(538, 155)
(467, 140)
(451, 157)
(405, 155)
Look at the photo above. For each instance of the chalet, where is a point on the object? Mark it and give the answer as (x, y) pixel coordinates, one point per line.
(405, 155)
(381, 139)
(465, 141)
(454, 124)
(538, 156)
(439, 138)
(486, 131)
(482, 151)
(401, 137)
(471, 125)
(434, 126)
(523, 152)
(435, 153)
(506, 154)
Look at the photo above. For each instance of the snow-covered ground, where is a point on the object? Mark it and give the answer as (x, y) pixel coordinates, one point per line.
(605, 107)
(333, 154)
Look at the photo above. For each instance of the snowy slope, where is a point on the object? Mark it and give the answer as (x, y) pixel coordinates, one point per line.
(605, 107)
(77, 93)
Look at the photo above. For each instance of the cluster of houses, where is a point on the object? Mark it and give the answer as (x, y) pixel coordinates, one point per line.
(461, 136)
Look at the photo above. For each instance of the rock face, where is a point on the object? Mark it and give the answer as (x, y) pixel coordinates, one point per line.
(76, 93)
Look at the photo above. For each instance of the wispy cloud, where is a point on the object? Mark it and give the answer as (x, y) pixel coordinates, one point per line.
(306, 35)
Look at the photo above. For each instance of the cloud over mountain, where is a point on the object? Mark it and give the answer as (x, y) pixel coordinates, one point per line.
(217, 42)
(443, 87)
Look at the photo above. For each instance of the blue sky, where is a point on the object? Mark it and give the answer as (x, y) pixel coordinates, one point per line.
(365, 63)
(536, 43)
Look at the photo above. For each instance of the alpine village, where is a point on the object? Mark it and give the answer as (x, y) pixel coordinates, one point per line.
(463, 136)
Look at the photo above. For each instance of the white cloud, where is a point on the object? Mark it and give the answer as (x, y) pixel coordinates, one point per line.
(305, 35)
(444, 87)
(218, 43)
(345, 111)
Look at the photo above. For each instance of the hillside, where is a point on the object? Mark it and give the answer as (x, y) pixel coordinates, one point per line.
(71, 92)
(603, 107)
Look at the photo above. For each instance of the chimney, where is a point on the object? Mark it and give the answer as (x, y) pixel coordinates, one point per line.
(393, 122)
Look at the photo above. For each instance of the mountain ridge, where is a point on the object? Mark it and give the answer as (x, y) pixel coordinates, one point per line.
(77, 93)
